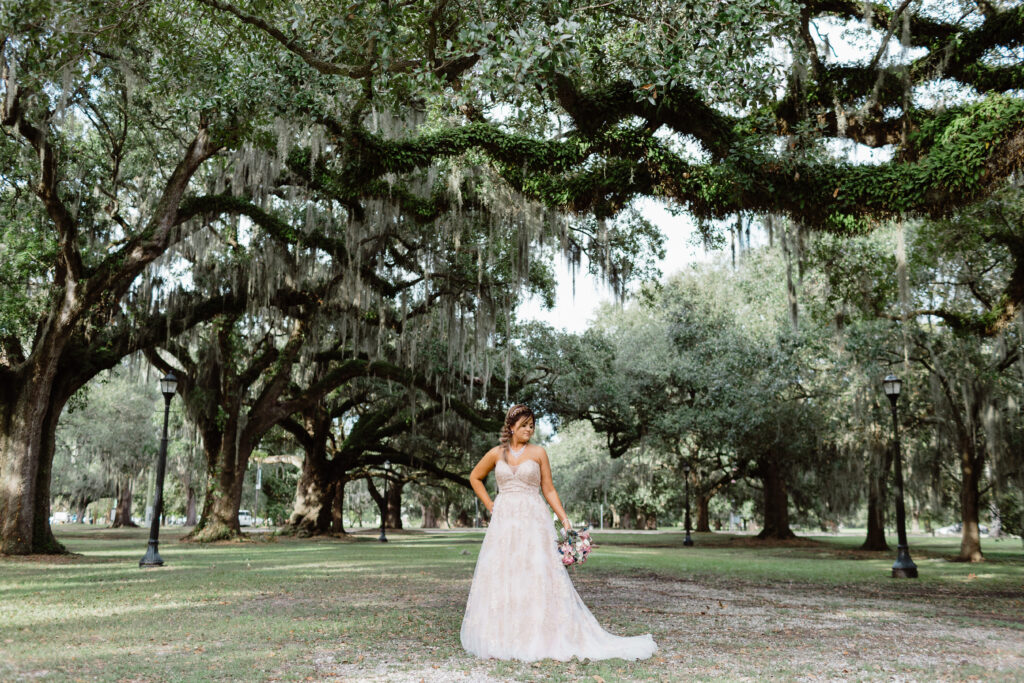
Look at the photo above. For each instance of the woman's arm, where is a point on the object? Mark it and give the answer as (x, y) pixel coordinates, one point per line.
(548, 487)
(479, 473)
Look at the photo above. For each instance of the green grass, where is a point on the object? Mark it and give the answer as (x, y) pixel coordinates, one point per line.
(354, 609)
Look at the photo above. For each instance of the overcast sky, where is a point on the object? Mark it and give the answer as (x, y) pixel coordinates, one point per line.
(573, 313)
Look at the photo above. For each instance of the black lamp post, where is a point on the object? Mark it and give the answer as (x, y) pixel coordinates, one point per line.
(168, 385)
(903, 567)
(686, 472)
(384, 508)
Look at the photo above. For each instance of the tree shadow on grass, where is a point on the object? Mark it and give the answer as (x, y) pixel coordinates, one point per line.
(61, 560)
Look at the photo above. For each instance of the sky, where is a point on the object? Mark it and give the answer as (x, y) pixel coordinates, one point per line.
(573, 312)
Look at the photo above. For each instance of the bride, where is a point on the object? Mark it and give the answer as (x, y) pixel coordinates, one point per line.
(522, 604)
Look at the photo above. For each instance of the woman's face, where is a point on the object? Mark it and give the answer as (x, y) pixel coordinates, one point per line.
(523, 429)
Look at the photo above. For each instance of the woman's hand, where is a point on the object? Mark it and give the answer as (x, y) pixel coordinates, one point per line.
(566, 524)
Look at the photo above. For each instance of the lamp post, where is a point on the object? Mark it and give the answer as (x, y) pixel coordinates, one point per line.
(903, 567)
(384, 508)
(686, 473)
(168, 386)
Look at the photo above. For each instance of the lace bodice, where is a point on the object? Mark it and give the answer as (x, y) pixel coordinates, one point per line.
(521, 478)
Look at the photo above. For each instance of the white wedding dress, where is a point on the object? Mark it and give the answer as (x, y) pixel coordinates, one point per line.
(522, 604)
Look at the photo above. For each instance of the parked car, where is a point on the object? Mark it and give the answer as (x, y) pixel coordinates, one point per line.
(244, 518)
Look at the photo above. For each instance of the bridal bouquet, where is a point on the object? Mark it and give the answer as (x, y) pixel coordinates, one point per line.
(575, 546)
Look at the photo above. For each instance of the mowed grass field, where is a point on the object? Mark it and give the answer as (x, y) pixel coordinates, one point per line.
(284, 609)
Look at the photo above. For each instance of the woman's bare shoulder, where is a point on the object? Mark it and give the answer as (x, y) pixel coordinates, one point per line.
(537, 452)
(488, 461)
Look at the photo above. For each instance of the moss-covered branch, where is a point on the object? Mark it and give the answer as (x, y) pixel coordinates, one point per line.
(962, 154)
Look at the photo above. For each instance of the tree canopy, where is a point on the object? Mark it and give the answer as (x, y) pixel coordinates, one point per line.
(168, 167)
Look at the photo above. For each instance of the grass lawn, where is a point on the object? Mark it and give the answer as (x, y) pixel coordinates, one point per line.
(355, 609)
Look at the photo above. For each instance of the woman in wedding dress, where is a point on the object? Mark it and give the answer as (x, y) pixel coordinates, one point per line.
(522, 604)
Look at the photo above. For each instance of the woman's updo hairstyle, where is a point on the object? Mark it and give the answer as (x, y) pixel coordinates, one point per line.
(514, 415)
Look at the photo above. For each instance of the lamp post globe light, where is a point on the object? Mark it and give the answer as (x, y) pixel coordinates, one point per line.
(903, 567)
(687, 541)
(168, 387)
(384, 508)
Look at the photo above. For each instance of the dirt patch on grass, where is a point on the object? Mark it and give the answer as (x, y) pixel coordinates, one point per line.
(735, 630)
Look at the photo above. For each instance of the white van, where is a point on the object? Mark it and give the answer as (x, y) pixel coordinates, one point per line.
(244, 518)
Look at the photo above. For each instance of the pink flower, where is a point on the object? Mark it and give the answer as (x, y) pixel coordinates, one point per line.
(575, 546)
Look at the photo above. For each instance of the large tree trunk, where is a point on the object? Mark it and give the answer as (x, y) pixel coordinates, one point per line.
(315, 495)
(30, 405)
(776, 501)
(877, 503)
(123, 513)
(970, 477)
(430, 516)
(43, 540)
(225, 475)
(219, 518)
(703, 515)
(394, 520)
(875, 538)
(319, 504)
